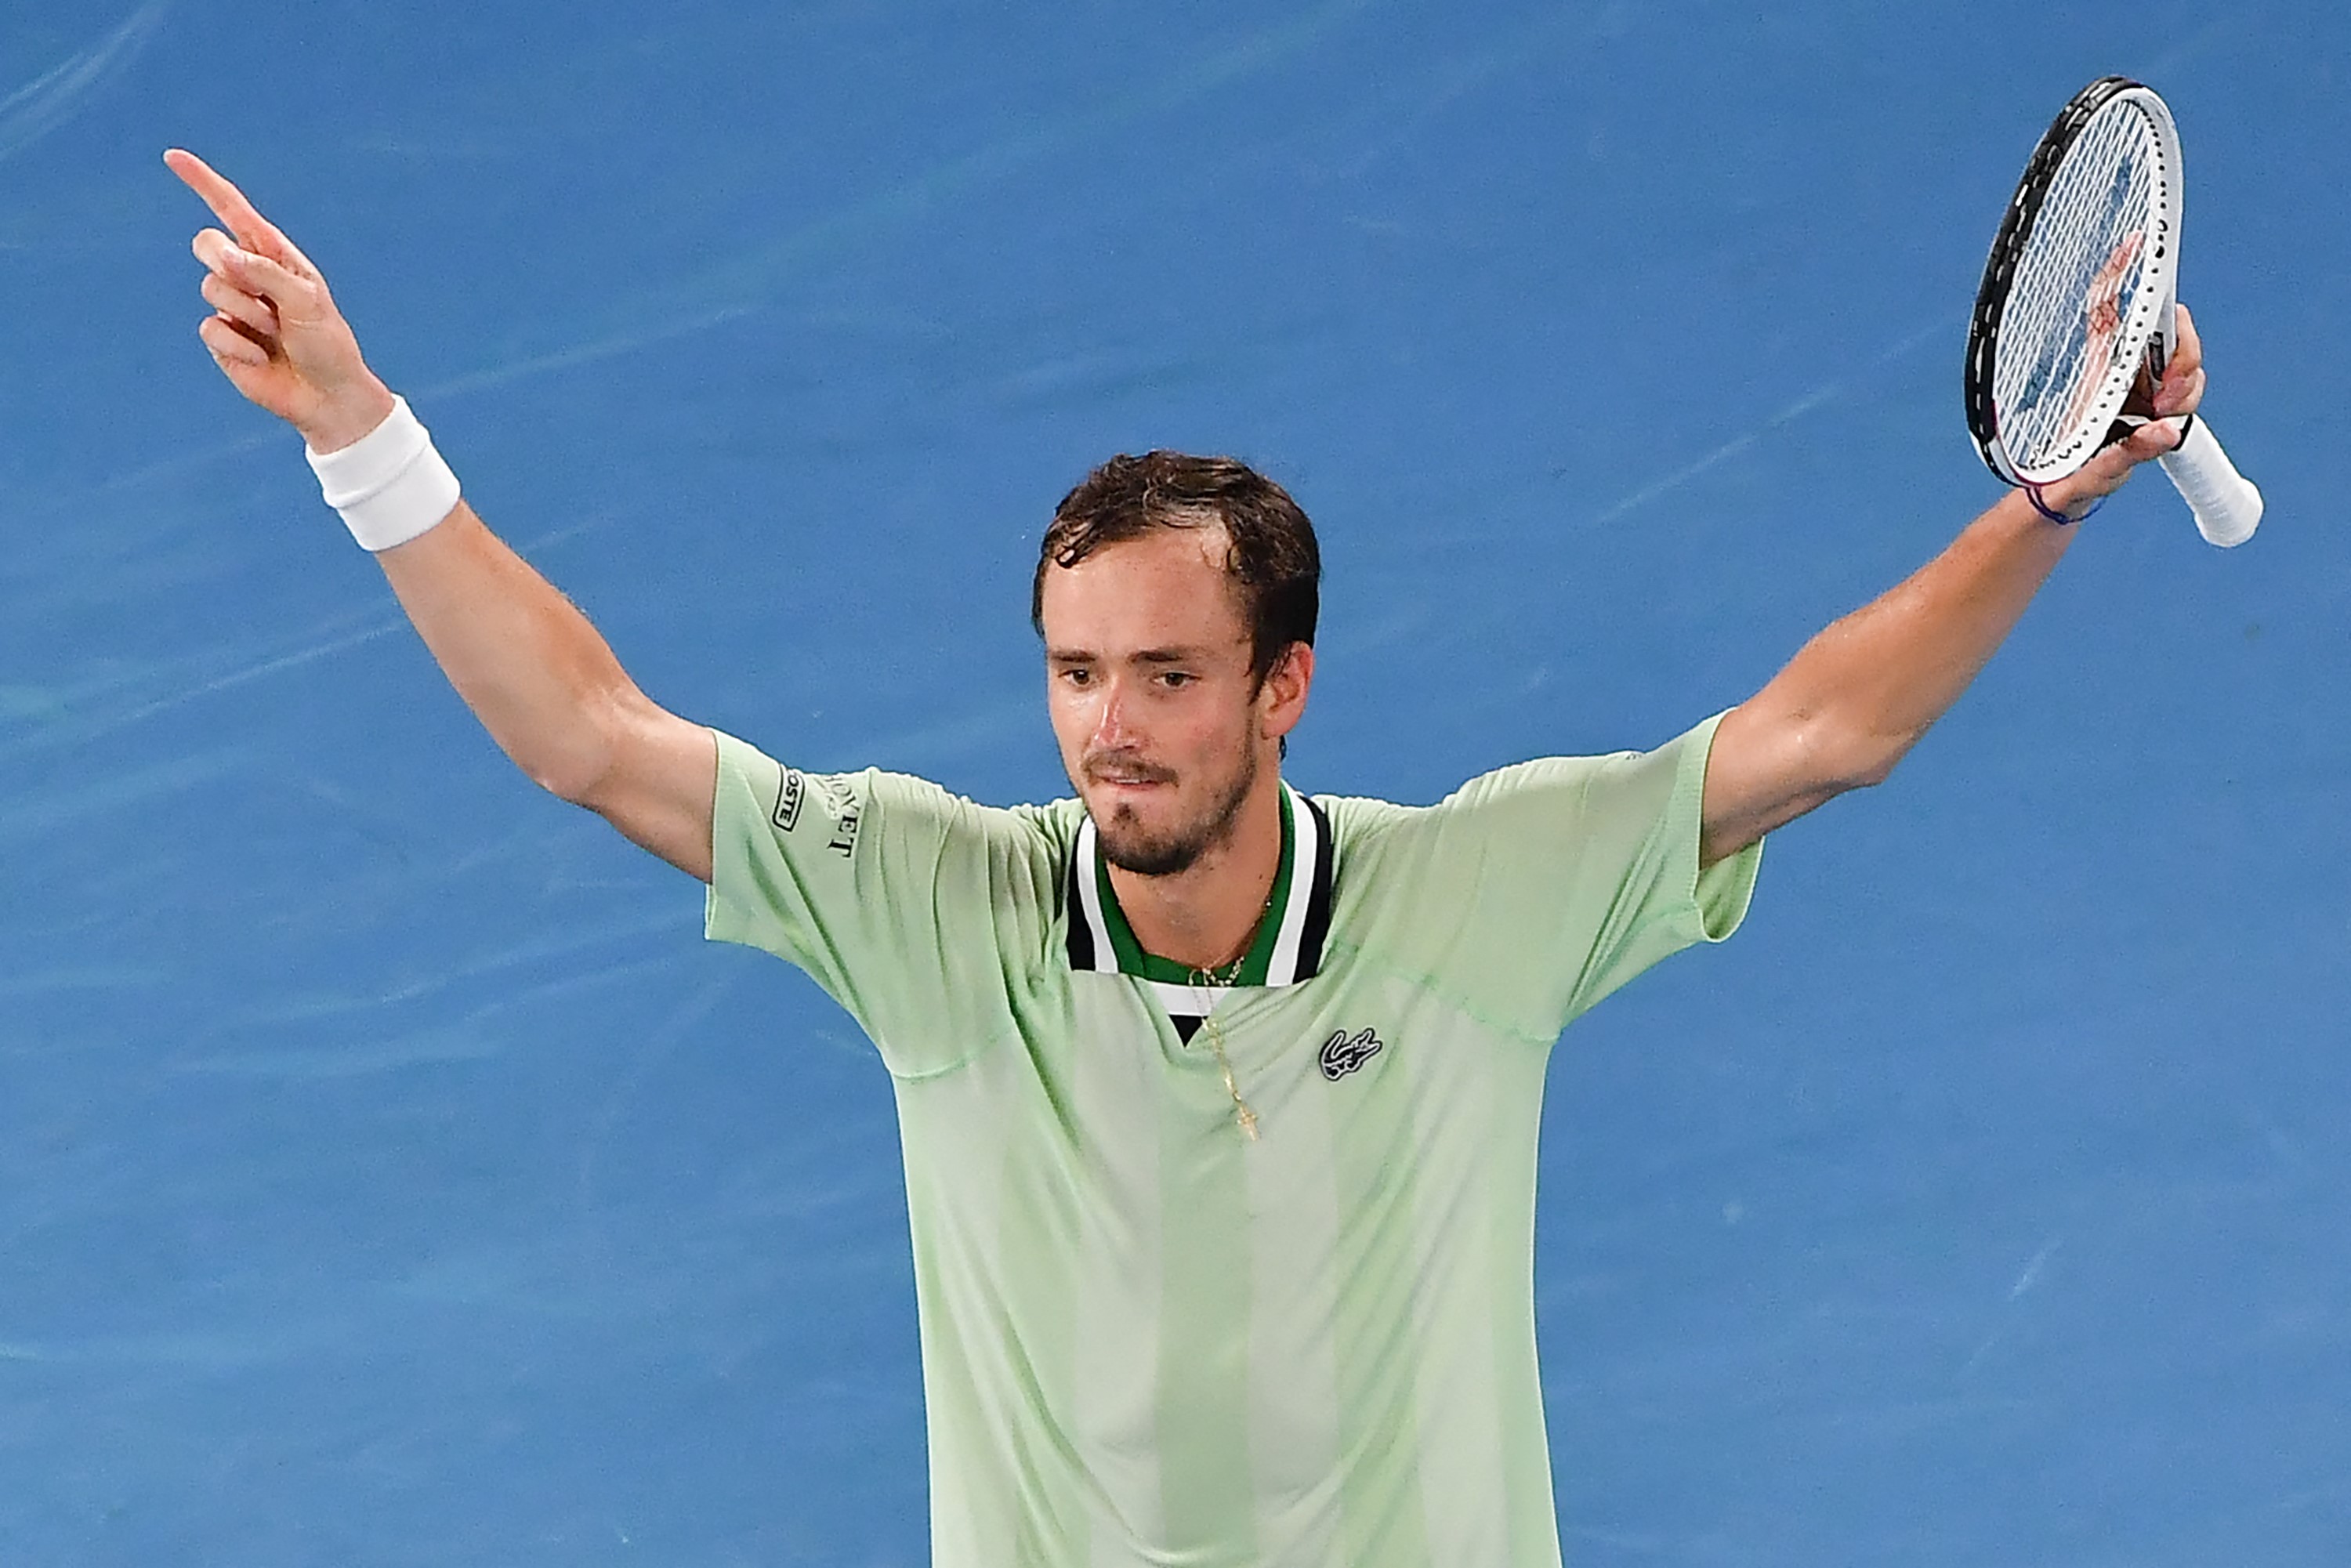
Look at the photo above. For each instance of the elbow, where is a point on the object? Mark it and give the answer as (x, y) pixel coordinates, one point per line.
(1867, 778)
(563, 780)
(572, 775)
(1870, 760)
(1842, 757)
(602, 751)
(575, 763)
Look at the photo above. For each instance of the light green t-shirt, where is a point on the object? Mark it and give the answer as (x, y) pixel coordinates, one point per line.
(1146, 1338)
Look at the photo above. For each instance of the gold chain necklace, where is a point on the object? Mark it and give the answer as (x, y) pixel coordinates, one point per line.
(1223, 977)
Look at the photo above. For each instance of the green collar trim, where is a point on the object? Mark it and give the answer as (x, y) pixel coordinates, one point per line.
(1134, 960)
(1288, 945)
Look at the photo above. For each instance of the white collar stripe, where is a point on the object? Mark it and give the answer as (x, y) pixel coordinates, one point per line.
(1281, 969)
(1300, 925)
(1090, 902)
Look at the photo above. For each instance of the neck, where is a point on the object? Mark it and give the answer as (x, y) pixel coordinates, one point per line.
(1205, 916)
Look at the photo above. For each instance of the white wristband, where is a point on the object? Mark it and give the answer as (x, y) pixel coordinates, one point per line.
(389, 485)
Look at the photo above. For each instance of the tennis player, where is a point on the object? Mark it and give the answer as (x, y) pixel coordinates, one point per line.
(1218, 1102)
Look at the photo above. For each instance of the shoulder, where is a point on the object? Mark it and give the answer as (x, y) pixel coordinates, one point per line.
(1366, 820)
(1522, 825)
(843, 810)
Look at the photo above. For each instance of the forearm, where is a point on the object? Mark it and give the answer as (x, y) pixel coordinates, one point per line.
(521, 654)
(538, 677)
(1863, 692)
(1865, 689)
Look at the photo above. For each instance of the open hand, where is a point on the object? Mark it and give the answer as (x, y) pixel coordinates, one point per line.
(275, 331)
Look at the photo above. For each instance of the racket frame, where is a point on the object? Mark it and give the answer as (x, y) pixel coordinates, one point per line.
(2150, 323)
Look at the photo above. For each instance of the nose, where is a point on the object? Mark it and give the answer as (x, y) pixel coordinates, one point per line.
(1109, 719)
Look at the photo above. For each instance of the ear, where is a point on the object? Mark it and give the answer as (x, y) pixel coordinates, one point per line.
(1281, 698)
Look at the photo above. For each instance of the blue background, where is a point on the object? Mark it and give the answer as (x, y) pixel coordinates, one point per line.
(388, 1176)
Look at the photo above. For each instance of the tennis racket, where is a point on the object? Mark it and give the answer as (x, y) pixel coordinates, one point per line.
(2077, 307)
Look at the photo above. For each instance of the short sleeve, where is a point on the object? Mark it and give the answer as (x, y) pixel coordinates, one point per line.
(1538, 889)
(920, 912)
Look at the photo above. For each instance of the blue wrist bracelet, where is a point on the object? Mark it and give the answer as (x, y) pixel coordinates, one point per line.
(2055, 514)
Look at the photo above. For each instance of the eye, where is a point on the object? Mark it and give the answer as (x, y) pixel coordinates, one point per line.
(1173, 678)
(1078, 675)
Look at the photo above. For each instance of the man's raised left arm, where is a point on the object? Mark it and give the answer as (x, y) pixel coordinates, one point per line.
(1860, 695)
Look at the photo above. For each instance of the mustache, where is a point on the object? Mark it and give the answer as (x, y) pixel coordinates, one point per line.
(1126, 765)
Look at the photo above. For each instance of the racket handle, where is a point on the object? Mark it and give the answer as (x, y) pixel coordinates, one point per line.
(2227, 507)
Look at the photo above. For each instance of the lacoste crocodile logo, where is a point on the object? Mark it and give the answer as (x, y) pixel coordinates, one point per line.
(1343, 1052)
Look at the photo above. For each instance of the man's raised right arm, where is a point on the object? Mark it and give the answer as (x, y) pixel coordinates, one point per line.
(522, 655)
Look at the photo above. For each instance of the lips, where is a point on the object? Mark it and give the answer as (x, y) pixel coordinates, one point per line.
(1129, 776)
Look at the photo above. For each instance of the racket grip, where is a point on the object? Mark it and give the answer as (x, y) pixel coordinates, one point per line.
(2227, 505)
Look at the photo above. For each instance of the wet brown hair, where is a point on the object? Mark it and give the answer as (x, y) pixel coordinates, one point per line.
(1272, 556)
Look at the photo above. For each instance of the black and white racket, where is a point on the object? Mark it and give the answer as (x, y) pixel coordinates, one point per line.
(2077, 307)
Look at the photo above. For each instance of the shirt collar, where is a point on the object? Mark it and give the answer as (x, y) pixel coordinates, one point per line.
(1288, 946)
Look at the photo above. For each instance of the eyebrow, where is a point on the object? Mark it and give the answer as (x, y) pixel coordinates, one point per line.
(1141, 655)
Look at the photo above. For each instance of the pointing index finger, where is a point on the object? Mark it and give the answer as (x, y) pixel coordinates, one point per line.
(253, 231)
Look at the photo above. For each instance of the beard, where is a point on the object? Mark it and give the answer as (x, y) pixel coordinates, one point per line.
(1131, 847)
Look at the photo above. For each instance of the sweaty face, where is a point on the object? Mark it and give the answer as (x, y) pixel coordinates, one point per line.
(1148, 657)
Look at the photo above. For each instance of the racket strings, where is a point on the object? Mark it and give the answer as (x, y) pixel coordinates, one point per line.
(2056, 355)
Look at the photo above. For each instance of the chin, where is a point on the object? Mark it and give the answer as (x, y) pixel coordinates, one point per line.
(1186, 828)
(1130, 846)
(1140, 856)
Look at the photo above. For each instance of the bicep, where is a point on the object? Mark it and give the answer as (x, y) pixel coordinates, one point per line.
(659, 782)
